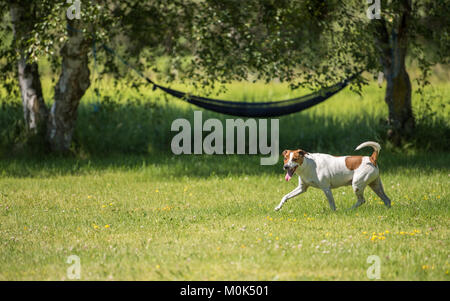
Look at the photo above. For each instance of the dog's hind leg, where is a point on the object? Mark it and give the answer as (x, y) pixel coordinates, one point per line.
(366, 173)
(298, 190)
(330, 198)
(377, 187)
(359, 191)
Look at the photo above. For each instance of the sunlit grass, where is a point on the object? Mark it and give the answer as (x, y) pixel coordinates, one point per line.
(143, 221)
(151, 215)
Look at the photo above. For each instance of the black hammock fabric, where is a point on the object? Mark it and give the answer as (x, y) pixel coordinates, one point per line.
(239, 108)
(258, 109)
(247, 109)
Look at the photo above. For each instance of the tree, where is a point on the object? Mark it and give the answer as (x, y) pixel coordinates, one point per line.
(309, 43)
(43, 28)
(315, 43)
(35, 112)
(35, 25)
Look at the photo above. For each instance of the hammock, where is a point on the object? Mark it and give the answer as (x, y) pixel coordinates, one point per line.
(258, 109)
(239, 108)
(246, 109)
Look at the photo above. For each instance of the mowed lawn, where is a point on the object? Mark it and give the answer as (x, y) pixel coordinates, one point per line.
(166, 217)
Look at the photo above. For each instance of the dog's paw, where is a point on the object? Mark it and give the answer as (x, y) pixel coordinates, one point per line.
(277, 208)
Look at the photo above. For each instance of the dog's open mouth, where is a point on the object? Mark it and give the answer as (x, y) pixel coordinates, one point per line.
(290, 173)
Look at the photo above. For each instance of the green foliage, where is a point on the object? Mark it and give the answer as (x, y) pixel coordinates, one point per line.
(307, 43)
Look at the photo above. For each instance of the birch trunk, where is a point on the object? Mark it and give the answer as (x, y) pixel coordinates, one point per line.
(34, 109)
(71, 86)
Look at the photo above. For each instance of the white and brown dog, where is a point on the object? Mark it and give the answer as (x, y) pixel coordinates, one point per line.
(326, 172)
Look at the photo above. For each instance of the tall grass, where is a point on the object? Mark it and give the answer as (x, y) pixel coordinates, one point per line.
(127, 120)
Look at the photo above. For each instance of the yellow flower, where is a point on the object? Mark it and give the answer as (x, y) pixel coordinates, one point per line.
(364, 232)
(424, 267)
(218, 248)
(242, 246)
(103, 206)
(110, 204)
(107, 226)
(156, 190)
(158, 266)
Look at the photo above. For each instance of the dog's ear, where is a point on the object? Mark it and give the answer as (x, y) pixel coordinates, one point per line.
(302, 152)
(284, 152)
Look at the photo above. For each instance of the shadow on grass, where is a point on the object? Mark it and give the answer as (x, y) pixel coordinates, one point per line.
(196, 166)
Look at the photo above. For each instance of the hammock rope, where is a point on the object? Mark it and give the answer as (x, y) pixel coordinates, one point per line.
(240, 108)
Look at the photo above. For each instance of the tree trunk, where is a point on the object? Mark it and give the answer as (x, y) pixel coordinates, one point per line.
(393, 49)
(34, 109)
(398, 99)
(72, 84)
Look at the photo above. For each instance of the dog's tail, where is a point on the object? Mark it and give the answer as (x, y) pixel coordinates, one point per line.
(376, 150)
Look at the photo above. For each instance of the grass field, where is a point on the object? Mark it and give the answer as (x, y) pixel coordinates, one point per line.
(133, 211)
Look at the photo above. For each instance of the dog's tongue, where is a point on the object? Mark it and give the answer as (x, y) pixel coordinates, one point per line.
(288, 175)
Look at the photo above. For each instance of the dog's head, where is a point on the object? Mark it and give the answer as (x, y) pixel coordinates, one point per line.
(292, 160)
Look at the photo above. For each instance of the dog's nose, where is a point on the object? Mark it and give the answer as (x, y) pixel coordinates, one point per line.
(285, 166)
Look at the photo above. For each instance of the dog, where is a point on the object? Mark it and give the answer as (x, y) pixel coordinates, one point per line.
(326, 172)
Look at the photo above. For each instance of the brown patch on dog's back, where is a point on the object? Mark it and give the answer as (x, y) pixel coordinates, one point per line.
(353, 162)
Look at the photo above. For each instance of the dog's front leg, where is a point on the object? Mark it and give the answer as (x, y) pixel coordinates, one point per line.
(300, 189)
(330, 198)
